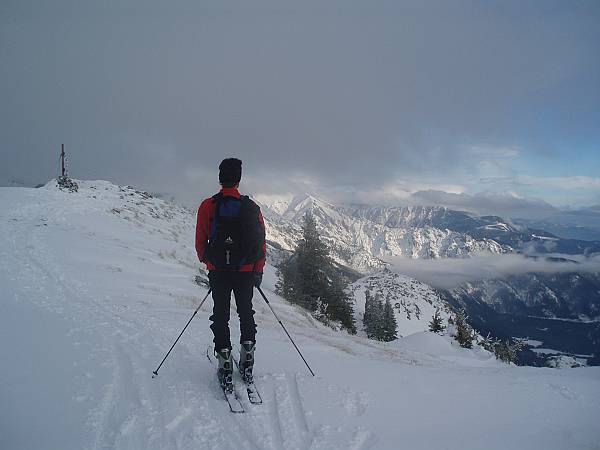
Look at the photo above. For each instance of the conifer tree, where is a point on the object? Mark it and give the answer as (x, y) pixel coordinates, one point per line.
(464, 332)
(367, 317)
(370, 319)
(389, 322)
(311, 260)
(436, 325)
(284, 286)
(378, 318)
(339, 304)
(309, 279)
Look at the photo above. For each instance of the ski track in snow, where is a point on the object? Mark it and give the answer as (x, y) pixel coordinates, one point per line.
(138, 412)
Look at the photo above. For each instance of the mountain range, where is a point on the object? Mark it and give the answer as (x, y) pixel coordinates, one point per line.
(364, 238)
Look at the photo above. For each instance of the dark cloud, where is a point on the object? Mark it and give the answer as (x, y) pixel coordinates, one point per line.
(338, 97)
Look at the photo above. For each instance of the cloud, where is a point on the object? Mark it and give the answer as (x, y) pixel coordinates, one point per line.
(449, 273)
(371, 99)
(565, 183)
(509, 205)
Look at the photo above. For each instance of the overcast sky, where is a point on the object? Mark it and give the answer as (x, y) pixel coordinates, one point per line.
(483, 104)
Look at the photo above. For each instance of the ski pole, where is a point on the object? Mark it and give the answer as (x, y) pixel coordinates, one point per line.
(286, 331)
(155, 373)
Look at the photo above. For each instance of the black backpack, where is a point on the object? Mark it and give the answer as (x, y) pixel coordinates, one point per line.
(237, 237)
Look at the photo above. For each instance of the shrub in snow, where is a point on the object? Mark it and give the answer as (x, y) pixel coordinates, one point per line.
(508, 351)
(487, 343)
(65, 182)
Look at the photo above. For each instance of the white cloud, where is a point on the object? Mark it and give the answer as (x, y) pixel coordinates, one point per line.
(449, 273)
(494, 151)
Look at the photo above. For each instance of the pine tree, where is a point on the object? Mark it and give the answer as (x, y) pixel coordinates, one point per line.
(311, 258)
(368, 316)
(437, 324)
(339, 304)
(378, 318)
(283, 286)
(464, 332)
(389, 322)
(309, 279)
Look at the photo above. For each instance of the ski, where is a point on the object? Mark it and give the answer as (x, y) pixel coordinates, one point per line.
(232, 399)
(234, 402)
(253, 394)
(251, 389)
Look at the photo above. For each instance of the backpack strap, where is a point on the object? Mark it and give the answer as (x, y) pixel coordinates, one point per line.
(216, 199)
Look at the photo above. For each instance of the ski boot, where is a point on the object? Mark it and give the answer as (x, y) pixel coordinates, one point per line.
(247, 361)
(225, 370)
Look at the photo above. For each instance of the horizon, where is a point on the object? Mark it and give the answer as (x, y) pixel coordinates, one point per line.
(580, 224)
(268, 198)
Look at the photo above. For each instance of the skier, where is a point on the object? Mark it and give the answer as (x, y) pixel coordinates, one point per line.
(230, 240)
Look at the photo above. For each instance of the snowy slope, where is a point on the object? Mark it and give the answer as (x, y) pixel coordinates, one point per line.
(414, 302)
(97, 284)
(362, 240)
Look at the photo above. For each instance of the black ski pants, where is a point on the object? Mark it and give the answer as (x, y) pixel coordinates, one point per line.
(242, 284)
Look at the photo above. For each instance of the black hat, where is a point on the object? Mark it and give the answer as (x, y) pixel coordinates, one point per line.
(230, 171)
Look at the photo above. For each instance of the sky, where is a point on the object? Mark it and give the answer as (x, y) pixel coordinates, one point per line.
(490, 106)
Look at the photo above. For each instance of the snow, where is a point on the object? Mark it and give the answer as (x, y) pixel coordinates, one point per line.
(532, 342)
(566, 362)
(97, 284)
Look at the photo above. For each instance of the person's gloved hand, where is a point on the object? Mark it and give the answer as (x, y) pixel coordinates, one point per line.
(257, 279)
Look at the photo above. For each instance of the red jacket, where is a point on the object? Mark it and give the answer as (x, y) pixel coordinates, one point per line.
(206, 214)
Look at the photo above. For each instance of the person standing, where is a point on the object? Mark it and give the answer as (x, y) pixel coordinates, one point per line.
(230, 240)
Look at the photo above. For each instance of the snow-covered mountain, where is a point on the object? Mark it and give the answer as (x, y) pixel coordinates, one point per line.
(97, 284)
(362, 236)
(361, 240)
